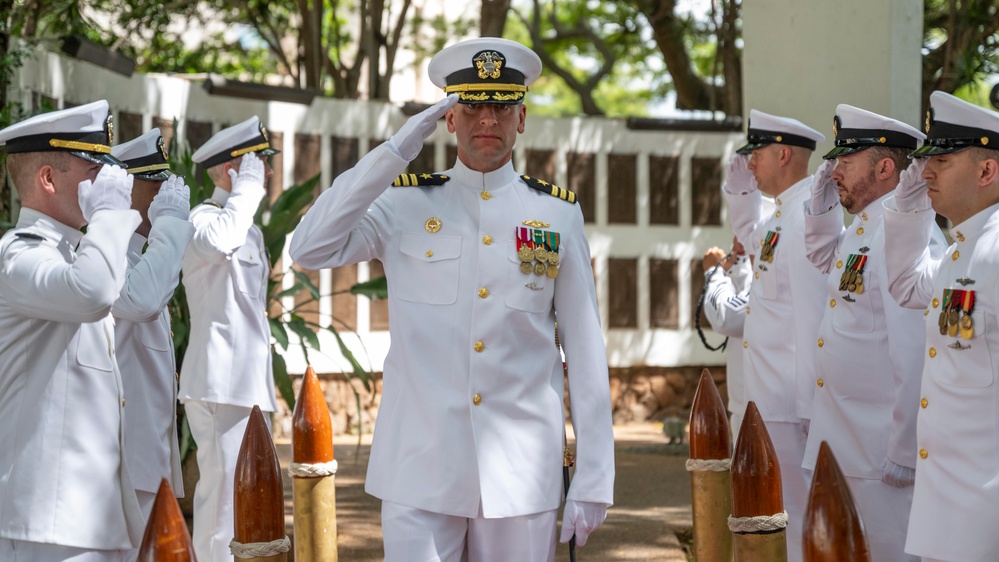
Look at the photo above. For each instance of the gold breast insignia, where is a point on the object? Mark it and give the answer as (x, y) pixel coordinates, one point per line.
(537, 224)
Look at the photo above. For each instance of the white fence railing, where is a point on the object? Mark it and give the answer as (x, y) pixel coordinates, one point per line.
(641, 243)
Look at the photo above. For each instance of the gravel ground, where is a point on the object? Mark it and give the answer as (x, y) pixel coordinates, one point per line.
(652, 501)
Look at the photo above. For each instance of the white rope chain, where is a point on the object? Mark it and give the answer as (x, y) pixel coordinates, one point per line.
(758, 523)
(306, 470)
(259, 549)
(708, 465)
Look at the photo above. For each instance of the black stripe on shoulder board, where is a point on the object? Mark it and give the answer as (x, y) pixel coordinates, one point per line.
(549, 188)
(29, 236)
(420, 180)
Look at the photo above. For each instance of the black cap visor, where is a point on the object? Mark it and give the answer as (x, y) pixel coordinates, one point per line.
(154, 175)
(98, 158)
(838, 151)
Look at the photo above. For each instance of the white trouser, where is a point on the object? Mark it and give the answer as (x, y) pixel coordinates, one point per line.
(218, 430)
(789, 442)
(414, 535)
(146, 501)
(884, 510)
(24, 551)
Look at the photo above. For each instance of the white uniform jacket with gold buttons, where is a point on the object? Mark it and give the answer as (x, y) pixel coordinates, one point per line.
(868, 369)
(785, 304)
(146, 355)
(228, 358)
(63, 475)
(955, 503)
(471, 416)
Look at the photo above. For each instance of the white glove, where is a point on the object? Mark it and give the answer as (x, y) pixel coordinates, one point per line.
(172, 200)
(911, 195)
(249, 181)
(408, 141)
(111, 190)
(824, 193)
(897, 475)
(740, 180)
(806, 424)
(581, 519)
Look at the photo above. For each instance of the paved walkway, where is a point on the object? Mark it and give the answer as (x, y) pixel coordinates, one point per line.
(652, 501)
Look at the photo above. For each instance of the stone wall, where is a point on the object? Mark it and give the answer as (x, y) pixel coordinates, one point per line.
(638, 394)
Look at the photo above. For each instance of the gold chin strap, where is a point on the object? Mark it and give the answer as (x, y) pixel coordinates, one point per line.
(249, 149)
(84, 146)
(149, 168)
(485, 87)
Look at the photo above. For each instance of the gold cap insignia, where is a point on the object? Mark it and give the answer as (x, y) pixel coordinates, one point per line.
(162, 146)
(489, 63)
(109, 129)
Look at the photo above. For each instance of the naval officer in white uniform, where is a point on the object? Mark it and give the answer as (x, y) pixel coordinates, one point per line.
(868, 369)
(65, 488)
(227, 366)
(467, 452)
(955, 503)
(143, 338)
(786, 295)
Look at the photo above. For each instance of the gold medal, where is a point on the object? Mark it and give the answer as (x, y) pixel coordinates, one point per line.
(952, 317)
(540, 269)
(952, 328)
(525, 254)
(552, 271)
(525, 267)
(967, 328)
(553, 258)
(541, 254)
(859, 290)
(942, 323)
(843, 280)
(432, 225)
(859, 280)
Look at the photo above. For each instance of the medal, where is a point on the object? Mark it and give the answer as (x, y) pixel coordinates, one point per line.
(945, 311)
(525, 267)
(552, 271)
(541, 254)
(525, 254)
(553, 258)
(525, 248)
(540, 269)
(967, 329)
(843, 280)
(942, 323)
(859, 290)
(952, 318)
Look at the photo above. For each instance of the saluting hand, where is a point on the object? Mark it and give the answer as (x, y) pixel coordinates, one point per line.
(911, 195)
(111, 190)
(409, 140)
(824, 194)
(740, 180)
(172, 200)
(249, 181)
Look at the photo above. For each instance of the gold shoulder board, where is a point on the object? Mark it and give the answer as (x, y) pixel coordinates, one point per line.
(420, 180)
(549, 188)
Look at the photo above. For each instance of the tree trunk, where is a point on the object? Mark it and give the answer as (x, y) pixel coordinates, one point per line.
(493, 17)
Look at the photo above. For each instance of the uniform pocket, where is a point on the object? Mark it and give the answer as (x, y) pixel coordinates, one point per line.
(248, 264)
(527, 291)
(427, 269)
(152, 335)
(93, 349)
(853, 313)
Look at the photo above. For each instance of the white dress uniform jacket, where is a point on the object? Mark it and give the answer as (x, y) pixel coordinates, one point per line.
(146, 358)
(955, 503)
(785, 305)
(228, 360)
(868, 369)
(725, 301)
(471, 421)
(63, 475)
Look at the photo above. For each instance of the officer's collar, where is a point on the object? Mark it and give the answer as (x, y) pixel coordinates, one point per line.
(220, 196)
(791, 196)
(874, 209)
(48, 226)
(491, 181)
(972, 228)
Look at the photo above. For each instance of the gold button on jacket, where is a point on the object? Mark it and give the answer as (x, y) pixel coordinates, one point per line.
(477, 399)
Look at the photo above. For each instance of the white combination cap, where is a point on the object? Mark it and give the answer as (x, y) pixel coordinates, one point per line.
(84, 131)
(953, 124)
(233, 142)
(856, 129)
(485, 70)
(146, 156)
(767, 129)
